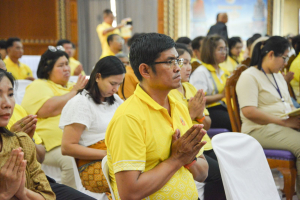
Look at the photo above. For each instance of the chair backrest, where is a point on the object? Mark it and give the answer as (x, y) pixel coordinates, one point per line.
(20, 90)
(230, 94)
(105, 170)
(244, 168)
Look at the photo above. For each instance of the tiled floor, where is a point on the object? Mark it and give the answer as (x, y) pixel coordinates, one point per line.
(279, 181)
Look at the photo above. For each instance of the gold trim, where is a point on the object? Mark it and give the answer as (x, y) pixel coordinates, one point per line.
(270, 17)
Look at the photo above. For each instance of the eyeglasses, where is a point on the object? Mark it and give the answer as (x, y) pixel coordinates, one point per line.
(223, 50)
(186, 62)
(286, 59)
(178, 62)
(58, 48)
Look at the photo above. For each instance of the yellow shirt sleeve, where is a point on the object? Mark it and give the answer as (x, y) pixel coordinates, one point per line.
(127, 144)
(36, 94)
(295, 67)
(29, 72)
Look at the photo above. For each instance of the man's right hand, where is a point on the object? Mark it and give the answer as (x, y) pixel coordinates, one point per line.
(292, 122)
(185, 148)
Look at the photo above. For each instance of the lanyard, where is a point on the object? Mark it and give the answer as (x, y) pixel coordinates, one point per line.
(276, 87)
(214, 84)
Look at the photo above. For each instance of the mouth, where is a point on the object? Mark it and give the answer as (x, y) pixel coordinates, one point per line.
(5, 116)
(177, 77)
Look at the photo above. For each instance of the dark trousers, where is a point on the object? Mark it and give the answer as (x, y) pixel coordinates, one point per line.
(219, 117)
(64, 192)
(213, 189)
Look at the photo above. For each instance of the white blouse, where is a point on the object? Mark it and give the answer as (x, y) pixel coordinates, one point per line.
(96, 117)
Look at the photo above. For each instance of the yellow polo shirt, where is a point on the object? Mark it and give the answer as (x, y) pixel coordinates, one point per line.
(130, 82)
(73, 63)
(190, 91)
(107, 53)
(139, 137)
(295, 67)
(219, 80)
(103, 38)
(36, 94)
(19, 71)
(230, 64)
(18, 114)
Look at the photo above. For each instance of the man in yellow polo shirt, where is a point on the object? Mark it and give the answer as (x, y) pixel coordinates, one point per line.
(15, 52)
(154, 151)
(115, 43)
(105, 29)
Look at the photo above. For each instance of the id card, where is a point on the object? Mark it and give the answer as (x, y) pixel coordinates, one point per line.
(287, 107)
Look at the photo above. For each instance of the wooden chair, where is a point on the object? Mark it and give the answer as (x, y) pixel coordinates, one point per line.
(284, 161)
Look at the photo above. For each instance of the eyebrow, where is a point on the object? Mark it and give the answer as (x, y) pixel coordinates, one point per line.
(10, 89)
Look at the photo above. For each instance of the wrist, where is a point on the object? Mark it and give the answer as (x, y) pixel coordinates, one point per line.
(174, 162)
(22, 195)
(190, 164)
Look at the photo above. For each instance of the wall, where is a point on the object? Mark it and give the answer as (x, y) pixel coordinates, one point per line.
(290, 17)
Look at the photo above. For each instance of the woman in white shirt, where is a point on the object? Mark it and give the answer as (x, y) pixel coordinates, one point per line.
(84, 120)
(264, 97)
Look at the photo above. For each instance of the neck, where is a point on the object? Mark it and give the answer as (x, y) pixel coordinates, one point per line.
(107, 22)
(15, 60)
(115, 51)
(180, 89)
(158, 95)
(216, 66)
(266, 69)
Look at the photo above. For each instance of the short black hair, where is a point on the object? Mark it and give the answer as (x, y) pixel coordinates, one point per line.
(107, 66)
(62, 42)
(10, 41)
(110, 38)
(218, 16)
(107, 12)
(133, 38)
(296, 44)
(256, 36)
(46, 64)
(181, 48)
(3, 44)
(196, 42)
(232, 42)
(184, 40)
(146, 49)
(250, 42)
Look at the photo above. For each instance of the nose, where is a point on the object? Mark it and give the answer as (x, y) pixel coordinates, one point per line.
(6, 102)
(115, 89)
(66, 67)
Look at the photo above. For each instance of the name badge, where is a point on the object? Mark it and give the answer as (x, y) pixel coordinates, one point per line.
(287, 107)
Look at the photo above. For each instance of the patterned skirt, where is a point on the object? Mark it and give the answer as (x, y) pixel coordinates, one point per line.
(91, 175)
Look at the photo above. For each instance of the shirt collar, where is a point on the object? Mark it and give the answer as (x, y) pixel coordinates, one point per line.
(141, 94)
(10, 61)
(209, 67)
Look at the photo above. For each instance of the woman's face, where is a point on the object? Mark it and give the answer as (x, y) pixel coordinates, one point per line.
(7, 101)
(109, 85)
(220, 52)
(236, 50)
(277, 63)
(186, 69)
(60, 73)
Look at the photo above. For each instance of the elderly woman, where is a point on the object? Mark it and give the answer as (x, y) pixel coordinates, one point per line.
(46, 97)
(21, 176)
(86, 117)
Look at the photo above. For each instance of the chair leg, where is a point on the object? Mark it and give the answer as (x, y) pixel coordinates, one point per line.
(289, 176)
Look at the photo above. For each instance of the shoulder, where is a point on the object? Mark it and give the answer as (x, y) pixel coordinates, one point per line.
(119, 101)
(200, 70)
(24, 65)
(38, 83)
(189, 87)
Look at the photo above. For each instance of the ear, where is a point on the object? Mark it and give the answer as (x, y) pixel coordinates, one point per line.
(144, 70)
(271, 54)
(98, 76)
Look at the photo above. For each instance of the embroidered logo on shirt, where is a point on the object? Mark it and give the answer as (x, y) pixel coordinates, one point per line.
(182, 122)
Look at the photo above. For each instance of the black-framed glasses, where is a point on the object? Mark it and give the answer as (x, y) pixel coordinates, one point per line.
(286, 59)
(58, 48)
(178, 62)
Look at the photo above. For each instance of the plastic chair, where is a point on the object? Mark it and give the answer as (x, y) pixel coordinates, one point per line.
(79, 186)
(53, 172)
(282, 160)
(19, 90)
(105, 170)
(244, 168)
(214, 131)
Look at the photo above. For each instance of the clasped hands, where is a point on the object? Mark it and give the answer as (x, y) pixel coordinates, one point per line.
(197, 105)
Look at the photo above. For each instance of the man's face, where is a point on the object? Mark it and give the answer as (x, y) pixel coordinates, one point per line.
(167, 76)
(110, 18)
(117, 43)
(16, 51)
(68, 49)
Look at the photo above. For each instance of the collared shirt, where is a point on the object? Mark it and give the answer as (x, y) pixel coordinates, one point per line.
(212, 82)
(295, 67)
(190, 91)
(18, 114)
(230, 64)
(129, 84)
(139, 137)
(19, 71)
(36, 94)
(107, 53)
(73, 63)
(103, 38)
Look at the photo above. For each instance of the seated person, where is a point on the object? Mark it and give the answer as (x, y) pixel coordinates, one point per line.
(46, 97)
(211, 77)
(3, 48)
(263, 97)
(15, 52)
(235, 46)
(196, 46)
(21, 176)
(85, 118)
(75, 65)
(195, 101)
(130, 81)
(295, 68)
(115, 43)
(152, 146)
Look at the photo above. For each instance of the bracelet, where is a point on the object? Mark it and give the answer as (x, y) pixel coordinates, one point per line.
(191, 164)
(200, 120)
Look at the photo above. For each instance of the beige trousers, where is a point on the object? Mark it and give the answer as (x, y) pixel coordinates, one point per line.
(274, 136)
(56, 159)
